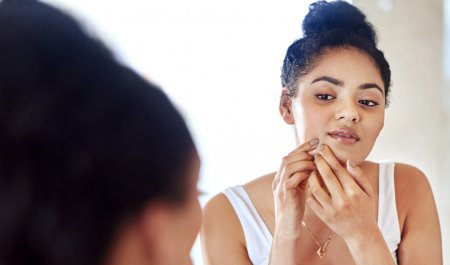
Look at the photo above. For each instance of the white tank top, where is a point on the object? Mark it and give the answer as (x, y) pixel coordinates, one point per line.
(259, 239)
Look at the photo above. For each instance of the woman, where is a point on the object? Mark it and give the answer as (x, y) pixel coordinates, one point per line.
(96, 164)
(326, 204)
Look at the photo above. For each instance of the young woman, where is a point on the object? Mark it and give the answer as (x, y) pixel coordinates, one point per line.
(326, 204)
(96, 165)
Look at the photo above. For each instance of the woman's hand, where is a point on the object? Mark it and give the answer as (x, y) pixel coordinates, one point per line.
(289, 190)
(289, 195)
(347, 205)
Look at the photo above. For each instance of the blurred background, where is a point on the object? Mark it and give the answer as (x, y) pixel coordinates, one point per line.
(220, 63)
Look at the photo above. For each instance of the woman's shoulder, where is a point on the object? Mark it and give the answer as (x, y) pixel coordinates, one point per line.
(260, 185)
(219, 211)
(412, 188)
(413, 194)
(406, 176)
(420, 226)
(410, 179)
(219, 205)
(221, 231)
(221, 228)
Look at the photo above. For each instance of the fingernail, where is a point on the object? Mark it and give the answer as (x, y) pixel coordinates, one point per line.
(321, 147)
(351, 163)
(313, 141)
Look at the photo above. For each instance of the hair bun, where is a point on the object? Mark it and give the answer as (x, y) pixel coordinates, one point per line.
(325, 16)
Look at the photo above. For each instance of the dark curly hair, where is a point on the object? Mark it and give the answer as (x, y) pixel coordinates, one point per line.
(331, 25)
(85, 142)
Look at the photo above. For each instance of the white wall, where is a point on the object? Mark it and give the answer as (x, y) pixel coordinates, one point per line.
(444, 198)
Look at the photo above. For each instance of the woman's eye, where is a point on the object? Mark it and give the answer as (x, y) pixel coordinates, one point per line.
(369, 103)
(324, 97)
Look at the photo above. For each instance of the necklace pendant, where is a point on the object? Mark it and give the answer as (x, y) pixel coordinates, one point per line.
(321, 252)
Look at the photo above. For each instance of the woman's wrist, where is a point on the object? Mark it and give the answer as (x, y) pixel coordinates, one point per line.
(365, 239)
(283, 250)
(287, 231)
(286, 236)
(370, 249)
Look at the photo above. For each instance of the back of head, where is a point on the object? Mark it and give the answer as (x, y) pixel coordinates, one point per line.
(331, 25)
(84, 141)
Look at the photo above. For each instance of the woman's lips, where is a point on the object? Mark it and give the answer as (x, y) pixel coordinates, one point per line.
(344, 135)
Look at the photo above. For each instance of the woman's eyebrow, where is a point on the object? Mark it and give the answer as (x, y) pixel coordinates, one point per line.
(371, 85)
(329, 79)
(337, 82)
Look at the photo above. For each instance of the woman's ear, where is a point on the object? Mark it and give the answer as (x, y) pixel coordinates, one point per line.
(285, 107)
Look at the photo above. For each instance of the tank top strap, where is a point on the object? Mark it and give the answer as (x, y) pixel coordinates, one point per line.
(257, 235)
(387, 207)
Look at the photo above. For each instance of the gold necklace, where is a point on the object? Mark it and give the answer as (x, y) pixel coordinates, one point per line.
(322, 251)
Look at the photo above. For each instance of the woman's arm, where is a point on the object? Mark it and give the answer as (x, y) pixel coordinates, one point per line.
(421, 237)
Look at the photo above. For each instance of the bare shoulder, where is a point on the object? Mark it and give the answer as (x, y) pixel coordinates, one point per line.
(221, 234)
(410, 181)
(219, 210)
(219, 218)
(413, 192)
(405, 170)
(261, 195)
(421, 238)
(261, 184)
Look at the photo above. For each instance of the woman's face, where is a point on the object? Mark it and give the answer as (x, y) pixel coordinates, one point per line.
(341, 102)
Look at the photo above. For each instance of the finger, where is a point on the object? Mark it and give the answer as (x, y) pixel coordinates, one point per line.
(317, 191)
(316, 207)
(307, 166)
(307, 146)
(346, 181)
(279, 174)
(357, 174)
(297, 156)
(329, 178)
(297, 180)
(301, 165)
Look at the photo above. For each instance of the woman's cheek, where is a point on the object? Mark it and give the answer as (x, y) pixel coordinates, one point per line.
(314, 126)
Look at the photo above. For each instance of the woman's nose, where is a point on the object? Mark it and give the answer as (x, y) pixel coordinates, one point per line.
(348, 111)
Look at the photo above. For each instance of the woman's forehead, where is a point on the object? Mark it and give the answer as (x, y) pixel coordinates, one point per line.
(344, 65)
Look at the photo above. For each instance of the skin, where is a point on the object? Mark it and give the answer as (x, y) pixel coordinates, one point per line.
(343, 186)
(164, 233)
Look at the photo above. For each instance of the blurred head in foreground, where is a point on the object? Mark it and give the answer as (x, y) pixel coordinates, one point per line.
(96, 164)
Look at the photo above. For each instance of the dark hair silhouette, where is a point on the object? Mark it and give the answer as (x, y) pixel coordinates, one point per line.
(331, 25)
(85, 142)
